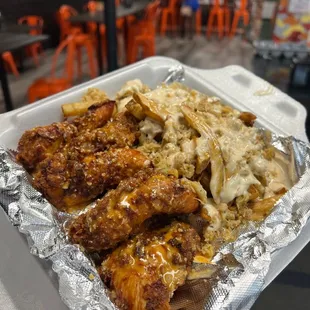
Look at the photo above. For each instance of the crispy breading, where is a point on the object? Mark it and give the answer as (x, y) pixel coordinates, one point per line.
(144, 272)
(121, 131)
(70, 184)
(122, 210)
(39, 143)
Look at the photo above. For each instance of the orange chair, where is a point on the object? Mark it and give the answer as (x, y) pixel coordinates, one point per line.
(66, 28)
(92, 6)
(222, 15)
(34, 49)
(142, 34)
(79, 40)
(243, 12)
(172, 12)
(9, 60)
(45, 87)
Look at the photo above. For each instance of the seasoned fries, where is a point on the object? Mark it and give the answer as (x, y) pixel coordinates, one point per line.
(92, 96)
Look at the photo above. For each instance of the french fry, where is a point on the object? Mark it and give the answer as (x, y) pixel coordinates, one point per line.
(75, 109)
(92, 96)
(262, 208)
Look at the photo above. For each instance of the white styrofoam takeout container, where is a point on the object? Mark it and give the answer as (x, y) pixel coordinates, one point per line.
(236, 87)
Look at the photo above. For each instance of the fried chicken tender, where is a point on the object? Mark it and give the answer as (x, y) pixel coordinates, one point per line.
(122, 210)
(71, 185)
(39, 143)
(144, 272)
(97, 116)
(120, 132)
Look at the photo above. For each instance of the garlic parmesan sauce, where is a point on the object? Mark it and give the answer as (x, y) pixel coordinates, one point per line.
(242, 147)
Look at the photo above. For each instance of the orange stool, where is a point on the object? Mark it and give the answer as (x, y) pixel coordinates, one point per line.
(143, 34)
(63, 15)
(93, 6)
(241, 12)
(45, 87)
(34, 49)
(172, 12)
(75, 43)
(9, 60)
(218, 12)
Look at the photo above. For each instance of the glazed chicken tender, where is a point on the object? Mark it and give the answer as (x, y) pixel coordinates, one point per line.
(72, 184)
(121, 131)
(144, 272)
(122, 210)
(39, 143)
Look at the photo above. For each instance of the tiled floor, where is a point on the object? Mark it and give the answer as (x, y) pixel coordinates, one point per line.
(291, 289)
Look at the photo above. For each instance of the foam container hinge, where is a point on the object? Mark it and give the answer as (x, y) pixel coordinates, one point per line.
(235, 85)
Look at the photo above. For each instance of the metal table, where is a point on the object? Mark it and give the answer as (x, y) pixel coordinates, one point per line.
(10, 42)
(18, 28)
(108, 17)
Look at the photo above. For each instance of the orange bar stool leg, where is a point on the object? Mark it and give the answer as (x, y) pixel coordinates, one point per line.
(8, 58)
(163, 23)
(91, 62)
(220, 23)
(174, 21)
(198, 21)
(210, 22)
(149, 47)
(33, 51)
(235, 23)
(246, 18)
(133, 53)
(227, 20)
(71, 50)
(79, 61)
(32, 95)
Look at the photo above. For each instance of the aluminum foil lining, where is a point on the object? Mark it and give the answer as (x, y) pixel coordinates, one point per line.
(238, 269)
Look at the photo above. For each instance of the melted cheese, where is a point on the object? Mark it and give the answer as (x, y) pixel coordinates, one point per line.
(242, 147)
(150, 128)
